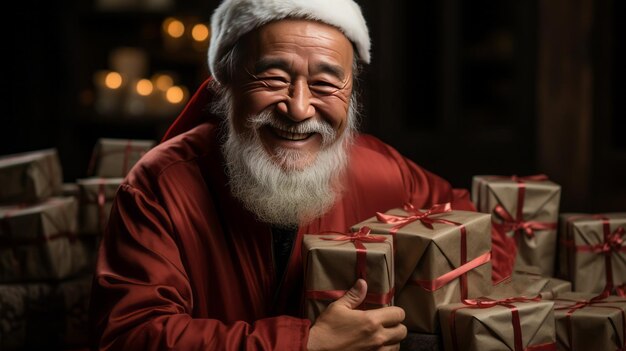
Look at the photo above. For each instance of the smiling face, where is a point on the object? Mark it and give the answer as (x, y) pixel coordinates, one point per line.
(294, 90)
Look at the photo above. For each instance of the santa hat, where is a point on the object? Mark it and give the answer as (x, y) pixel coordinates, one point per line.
(234, 18)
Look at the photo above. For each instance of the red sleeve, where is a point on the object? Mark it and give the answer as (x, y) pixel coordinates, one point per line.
(142, 298)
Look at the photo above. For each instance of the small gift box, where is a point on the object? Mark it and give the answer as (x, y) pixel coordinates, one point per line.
(516, 324)
(442, 256)
(96, 199)
(590, 322)
(26, 319)
(593, 251)
(333, 263)
(113, 158)
(30, 177)
(524, 211)
(40, 243)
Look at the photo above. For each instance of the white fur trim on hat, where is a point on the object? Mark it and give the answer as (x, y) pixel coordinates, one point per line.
(234, 18)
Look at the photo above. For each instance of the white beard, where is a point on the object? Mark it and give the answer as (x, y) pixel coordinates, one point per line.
(273, 190)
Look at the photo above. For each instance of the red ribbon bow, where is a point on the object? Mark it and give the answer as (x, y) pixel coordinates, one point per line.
(519, 224)
(358, 238)
(515, 320)
(614, 242)
(416, 215)
(595, 301)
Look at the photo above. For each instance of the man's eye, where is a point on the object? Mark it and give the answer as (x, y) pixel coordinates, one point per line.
(275, 79)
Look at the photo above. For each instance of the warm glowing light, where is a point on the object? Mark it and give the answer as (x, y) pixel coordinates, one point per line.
(175, 94)
(144, 87)
(113, 80)
(173, 27)
(163, 81)
(200, 32)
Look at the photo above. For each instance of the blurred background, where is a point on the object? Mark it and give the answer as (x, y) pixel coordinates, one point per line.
(462, 88)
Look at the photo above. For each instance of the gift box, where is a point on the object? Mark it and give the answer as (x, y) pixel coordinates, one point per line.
(30, 177)
(334, 262)
(525, 211)
(592, 253)
(113, 158)
(40, 243)
(96, 199)
(26, 319)
(516, 324)
(72, 297)
(529, 283)
(590, 322)
(441, 257)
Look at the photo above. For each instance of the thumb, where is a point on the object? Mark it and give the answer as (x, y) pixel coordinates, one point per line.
(355, 296)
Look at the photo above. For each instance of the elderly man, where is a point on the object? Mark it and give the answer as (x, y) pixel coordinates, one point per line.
(202, 250)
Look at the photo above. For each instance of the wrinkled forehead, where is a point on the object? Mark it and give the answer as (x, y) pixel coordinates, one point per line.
(299, 37)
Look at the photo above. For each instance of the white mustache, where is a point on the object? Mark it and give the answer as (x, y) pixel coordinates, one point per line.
(269, 118)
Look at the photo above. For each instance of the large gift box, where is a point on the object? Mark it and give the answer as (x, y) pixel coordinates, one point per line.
(334, 262)
(516, 324)
(525, 211)
(39, 242)
(442, 256)
(593, 251)
(113, 158)
(96, 199)
(26, 319)
(30, 177)
(590, 322)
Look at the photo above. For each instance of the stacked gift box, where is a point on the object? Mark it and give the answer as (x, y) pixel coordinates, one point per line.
(49, 233)
(443, 277)
(111, 161)
(41, 251)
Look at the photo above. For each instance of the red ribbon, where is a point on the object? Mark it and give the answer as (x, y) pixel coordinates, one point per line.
(370, 298)
(415, 215)
(613, 243)
(595, 301)
(515, 320)
(519, 225)
(358, 238)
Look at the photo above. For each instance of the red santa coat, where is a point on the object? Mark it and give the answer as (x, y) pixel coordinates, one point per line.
(184, 266)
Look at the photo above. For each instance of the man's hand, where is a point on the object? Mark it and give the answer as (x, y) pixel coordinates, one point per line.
(341, 327)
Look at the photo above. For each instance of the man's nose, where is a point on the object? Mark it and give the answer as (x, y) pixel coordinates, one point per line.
(297, 106)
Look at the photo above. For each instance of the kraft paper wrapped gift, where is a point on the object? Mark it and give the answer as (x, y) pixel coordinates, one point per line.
(26, 319)
(516, 324)
(592, 253)
(430, 267)
(30, 177)
(526, 210)
(113, 158)
(96, 199)
(528, 284)
(39, 242)
(590, 322)
(334, 262)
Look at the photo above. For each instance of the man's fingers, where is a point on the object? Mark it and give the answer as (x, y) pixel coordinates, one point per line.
(355, 296)
(395, 347)
(387, 316)
(395, 334)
